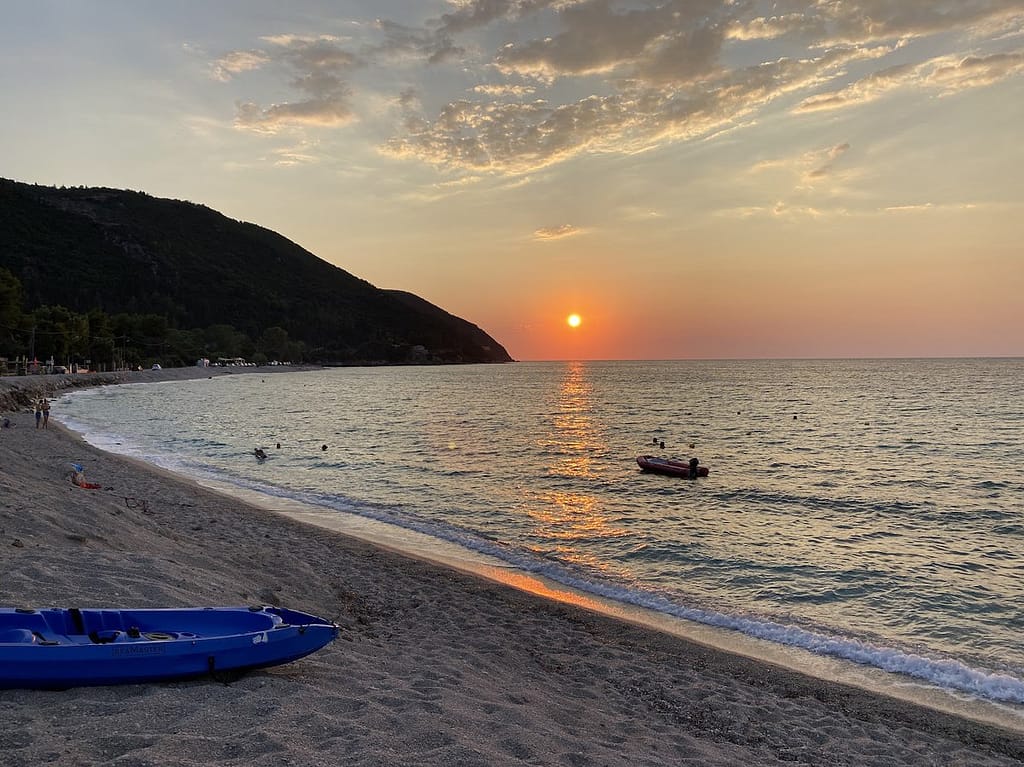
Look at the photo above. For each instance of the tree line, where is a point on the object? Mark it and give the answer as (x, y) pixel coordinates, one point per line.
(100, 341)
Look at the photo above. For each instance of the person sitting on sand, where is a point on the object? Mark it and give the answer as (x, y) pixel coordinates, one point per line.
(78, 478)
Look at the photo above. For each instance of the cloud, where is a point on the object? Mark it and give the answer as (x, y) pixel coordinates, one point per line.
(832, 155)
(930, 207)
(495, 91)
(785, 210)
(556, 232)
(867, 89)
(771, 27)
(670, 41)
(864, 21)
(301, 154)
(472, 14)
(326, 112)
(916, 208)
(512, 86)
(237, 62)
(947, 74)
(974, 71)
(319, 67)
(520, 137)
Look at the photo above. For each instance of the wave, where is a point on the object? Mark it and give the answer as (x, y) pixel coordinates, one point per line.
(945, 673)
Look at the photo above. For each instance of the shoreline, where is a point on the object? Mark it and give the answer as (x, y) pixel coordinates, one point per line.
(434, 666)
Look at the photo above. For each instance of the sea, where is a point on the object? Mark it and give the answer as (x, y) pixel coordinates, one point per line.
(867, 513)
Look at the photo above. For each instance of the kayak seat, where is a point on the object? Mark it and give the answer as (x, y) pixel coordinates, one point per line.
(101, 625)
(17, 636)
(102, 637)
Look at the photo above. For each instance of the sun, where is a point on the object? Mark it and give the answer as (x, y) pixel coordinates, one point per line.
(573, 320)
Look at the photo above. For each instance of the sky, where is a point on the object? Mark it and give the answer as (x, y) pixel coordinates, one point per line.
(692, 178)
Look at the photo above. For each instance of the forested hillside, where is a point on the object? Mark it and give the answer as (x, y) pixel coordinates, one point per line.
(120, 277)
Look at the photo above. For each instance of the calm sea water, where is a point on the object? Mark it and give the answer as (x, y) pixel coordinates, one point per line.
(866, 510)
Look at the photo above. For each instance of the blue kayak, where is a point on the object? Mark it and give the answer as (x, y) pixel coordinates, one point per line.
(56, 648)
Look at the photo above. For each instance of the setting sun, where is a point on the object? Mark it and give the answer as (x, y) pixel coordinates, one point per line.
(573, 320)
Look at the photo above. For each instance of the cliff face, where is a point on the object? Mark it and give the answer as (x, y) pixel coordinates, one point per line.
(122, 251)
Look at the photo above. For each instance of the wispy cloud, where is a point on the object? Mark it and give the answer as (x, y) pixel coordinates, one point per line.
(974, 71)
(947, 74)
(867, 89)
(319, 66)
(824, 169)
(930, 207)
(496, 91)
(234, 63)
(556, 232)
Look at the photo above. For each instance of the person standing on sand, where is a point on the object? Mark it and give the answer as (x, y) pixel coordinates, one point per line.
(45, 404)
(39, 411)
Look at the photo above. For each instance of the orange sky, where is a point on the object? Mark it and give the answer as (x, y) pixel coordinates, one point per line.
(695, 179)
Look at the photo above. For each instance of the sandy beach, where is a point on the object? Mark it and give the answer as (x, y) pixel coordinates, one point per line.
(433, 666)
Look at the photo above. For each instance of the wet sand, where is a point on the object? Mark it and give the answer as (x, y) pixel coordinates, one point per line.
(433, 666)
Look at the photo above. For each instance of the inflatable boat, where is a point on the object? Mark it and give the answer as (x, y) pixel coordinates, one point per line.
(56, 648)
(669, 466)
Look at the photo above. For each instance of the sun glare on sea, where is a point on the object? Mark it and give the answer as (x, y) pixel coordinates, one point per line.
(573, 320)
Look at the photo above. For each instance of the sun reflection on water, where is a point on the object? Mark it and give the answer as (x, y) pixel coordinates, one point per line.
(575, 438)
(564, 516)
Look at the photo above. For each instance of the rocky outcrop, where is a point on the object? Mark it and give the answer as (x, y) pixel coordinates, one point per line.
(20, 392)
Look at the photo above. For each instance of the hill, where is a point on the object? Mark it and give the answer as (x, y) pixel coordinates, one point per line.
(127, 253)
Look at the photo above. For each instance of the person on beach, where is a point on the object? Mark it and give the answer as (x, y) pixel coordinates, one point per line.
(46, 412)
(694, 462)
(39, 411)
(260, 455)
(78, 478)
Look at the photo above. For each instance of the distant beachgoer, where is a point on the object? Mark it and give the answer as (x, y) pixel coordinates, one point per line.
(39, 412)
(260, 455)
(661, 445)
(323, 447)
(46, 412)
(7, 422)
(78, 478)
(694, 462)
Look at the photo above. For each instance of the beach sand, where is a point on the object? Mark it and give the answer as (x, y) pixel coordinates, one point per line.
(432, 667)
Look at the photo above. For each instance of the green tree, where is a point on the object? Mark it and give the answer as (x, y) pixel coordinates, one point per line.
(274, 343)
(101, 341)
(185, 346)
(10, 313)
(225, 341)
(55, 332)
